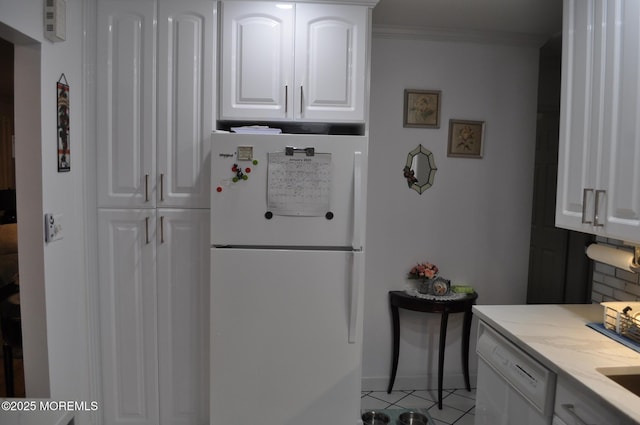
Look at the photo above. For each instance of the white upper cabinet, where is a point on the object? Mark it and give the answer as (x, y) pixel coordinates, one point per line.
(154, 109)
(293, 61)
(599, 156)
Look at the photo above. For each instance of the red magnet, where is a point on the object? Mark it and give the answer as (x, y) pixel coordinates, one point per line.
(247, 170)
(219, 189)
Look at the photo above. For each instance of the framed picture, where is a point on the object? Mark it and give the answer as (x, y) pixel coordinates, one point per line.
(465, 138)
(422, 108)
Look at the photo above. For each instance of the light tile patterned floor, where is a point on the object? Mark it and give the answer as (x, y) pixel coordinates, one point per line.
(457, 405)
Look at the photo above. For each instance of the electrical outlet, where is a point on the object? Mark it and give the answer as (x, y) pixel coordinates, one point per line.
(52, 227)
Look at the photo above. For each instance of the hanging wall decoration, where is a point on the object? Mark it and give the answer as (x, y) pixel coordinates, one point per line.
(465, 138)
(64, 150)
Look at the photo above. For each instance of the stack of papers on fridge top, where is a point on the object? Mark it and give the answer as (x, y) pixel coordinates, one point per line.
(256, 129)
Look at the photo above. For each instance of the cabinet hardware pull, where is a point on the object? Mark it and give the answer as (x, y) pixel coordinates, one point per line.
(146, 230)
(596, 212)
(161, 229)
(301, 97)
(146, 188)
(584, 205)
(161, 187)
(286, 98)
(570, 408)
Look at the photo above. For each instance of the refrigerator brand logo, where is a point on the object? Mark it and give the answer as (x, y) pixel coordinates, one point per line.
(225, 155)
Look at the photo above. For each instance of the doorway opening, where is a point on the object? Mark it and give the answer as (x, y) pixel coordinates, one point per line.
(12, 370)
(559, 271)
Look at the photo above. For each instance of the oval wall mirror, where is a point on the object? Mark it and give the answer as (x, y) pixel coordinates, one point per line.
(420, 169)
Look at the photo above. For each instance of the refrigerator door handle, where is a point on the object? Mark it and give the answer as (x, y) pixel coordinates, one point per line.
(357, 280)
(356, 242)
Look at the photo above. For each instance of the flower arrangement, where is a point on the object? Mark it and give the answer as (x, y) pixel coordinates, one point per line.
(423, 271)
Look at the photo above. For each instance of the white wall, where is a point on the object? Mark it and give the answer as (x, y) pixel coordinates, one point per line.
(474, 222)
(63, 268)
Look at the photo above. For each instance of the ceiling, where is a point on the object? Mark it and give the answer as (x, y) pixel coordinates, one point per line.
(540, 18)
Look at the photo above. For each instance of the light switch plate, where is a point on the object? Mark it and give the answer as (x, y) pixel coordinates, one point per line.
(52, 227)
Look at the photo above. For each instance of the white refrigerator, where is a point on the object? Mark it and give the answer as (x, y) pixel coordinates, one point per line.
(287, 278)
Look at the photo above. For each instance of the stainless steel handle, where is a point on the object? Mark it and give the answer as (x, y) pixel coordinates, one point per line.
(596, 210)
(571, 410)
(161, 229)
(584, 205)
(301, 100)
(286, 99)
(357, 280)
(146, 188)
(161, 187)
(146, 230)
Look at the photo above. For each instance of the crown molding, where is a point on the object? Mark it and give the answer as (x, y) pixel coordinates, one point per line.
(459, 35)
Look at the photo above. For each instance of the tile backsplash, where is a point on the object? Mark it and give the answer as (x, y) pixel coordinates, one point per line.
(611, 283)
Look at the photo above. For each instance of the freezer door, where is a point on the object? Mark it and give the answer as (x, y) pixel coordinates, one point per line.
(280, 344)
(238, 209)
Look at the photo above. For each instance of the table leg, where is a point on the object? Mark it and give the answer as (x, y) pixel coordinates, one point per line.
(443, 339)
(466, 332)
(396, 346)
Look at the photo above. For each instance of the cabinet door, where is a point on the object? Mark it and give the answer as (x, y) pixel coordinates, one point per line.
(183, 316)
(580, 133)
(330, 62)
(185, 98)
(599, 156)
(126, 102)
(623, 156)
(128, 316)
(256, 60)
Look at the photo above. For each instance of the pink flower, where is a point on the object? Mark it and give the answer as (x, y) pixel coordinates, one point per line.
(423, 271)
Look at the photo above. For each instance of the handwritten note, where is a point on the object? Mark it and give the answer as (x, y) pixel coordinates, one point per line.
(299, 184)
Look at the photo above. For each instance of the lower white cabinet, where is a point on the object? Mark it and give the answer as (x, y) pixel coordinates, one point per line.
(153, 278)
(575, 406)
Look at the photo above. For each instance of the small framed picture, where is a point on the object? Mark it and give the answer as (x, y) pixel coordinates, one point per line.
(465, 138)
(422, 108)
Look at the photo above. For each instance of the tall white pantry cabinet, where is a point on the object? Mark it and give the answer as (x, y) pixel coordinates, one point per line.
(599, 156)
(154, 119)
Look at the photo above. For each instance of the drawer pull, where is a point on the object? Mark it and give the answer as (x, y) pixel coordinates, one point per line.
(286, 99)
(571, 410)
(146, 188)
(596, 211)
(584, 205)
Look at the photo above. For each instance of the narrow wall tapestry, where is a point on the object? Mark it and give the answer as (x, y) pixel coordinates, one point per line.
(64, 150)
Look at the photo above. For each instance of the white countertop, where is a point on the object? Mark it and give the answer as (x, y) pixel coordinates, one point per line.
(556, 336)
